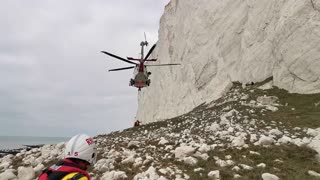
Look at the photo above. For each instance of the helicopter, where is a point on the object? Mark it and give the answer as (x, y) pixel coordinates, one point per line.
(141, 74)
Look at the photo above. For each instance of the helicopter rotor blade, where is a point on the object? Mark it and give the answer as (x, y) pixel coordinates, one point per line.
(161, 64)
(150, 51)
(119, 69)
(117, 57)
(145, 37)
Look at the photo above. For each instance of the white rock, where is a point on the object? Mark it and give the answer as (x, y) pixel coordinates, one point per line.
(268, 176)
(133, 144)
(284, 140)
(163, 141)
(169, 147)
(190, 161)
(215, 174)
(60, 145)
(272, 108)
(214, 127)
(255, 153)
(114, 175)
(198, 169)
(313, 173)
(38, 168)
(137, 162)
(245, 97)
(8, 175)
(130, 159)
(221, 163)
(253, 138)
(104, 164)
(265, 140)
(181, 152)
(5, 164)
(261, 165)
(238, 141)
(268, 85)
(150, 174)
(230, 162)
(312, 132)
(297, 128)
(26, 173)
(203, 156)
(236, 176)
(275, 132)
(236, 168)
(204, 148)
(246, 167)
(163, 171)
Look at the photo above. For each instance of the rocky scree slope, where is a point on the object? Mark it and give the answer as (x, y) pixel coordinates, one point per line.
(249, 133)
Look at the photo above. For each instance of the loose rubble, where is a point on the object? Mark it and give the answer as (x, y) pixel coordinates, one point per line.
(213, 141)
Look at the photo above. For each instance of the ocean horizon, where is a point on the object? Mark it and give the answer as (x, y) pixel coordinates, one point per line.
(15, 142)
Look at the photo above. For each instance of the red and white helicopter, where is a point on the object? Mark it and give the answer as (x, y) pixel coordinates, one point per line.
(141, 75)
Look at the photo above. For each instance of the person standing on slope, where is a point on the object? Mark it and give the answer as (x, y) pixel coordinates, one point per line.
(80, 153)
(136, 123)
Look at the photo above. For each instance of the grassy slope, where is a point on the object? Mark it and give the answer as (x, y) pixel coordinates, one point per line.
(295, 111)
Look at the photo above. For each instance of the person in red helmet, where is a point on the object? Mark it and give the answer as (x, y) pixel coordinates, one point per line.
(80, 154)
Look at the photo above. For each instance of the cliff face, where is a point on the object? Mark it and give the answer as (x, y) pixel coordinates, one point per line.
(218, 42)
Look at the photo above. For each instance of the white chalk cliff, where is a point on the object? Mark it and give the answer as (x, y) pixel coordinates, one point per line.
(218, 42)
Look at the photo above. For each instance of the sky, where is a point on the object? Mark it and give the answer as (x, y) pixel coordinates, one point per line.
(53, 79)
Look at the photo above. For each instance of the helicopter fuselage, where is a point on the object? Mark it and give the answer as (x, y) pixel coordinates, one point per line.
(141, 77)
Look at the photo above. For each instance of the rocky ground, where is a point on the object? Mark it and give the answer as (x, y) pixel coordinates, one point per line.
(252, 132)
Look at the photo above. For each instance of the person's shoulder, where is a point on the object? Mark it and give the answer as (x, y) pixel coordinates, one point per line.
(75, 176)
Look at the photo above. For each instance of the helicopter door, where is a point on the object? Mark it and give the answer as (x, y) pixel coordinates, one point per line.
(145, 71)
(135, 71)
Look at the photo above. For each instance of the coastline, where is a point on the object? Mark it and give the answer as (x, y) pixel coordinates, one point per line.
(16, 144)
(4, 152)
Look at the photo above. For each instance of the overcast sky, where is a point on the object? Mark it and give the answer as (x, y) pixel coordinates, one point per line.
(53, 78)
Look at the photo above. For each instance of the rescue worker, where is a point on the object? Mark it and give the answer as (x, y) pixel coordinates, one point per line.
(80, 153)
(137, 123)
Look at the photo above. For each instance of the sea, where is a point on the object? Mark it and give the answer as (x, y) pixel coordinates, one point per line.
(16, 142)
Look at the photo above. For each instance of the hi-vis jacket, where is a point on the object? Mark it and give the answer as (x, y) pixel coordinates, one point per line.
(64, 170)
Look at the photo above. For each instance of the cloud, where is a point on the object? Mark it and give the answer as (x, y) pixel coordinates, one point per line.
(54, 80)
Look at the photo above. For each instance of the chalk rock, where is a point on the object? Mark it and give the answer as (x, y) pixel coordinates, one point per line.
(8, 175)
(114, 175)
(26, 173)
(217, 42)
(183, 151)
(268, 176)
